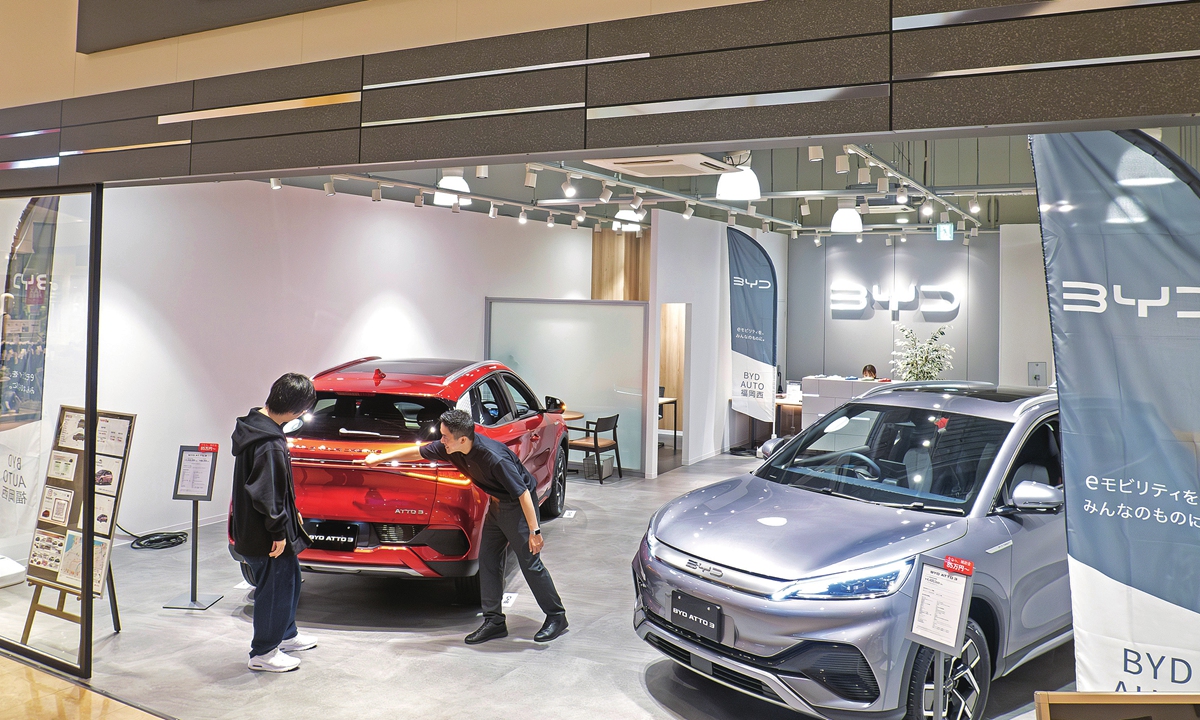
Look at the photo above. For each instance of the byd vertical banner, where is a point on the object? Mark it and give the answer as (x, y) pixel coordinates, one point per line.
(1121, 233)
(752, 308)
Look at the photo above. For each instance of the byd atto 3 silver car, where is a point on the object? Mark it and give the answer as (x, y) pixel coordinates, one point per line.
(795, 583)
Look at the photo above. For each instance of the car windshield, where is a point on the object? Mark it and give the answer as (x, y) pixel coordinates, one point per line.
(907, 457)
(404, 418)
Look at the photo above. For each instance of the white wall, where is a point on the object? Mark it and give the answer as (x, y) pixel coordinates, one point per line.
(1024, 307)
(690, 264)
(210, 292)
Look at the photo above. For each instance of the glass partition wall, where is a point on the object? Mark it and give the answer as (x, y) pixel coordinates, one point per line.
(48, 504)
(589, 353)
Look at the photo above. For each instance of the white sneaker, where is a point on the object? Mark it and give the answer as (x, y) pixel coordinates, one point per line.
(299, 642)
(275, 661)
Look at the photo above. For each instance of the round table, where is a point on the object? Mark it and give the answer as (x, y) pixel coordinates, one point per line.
(572, 415)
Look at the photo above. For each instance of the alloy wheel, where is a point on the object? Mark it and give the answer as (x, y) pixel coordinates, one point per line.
(560, 482)
(962, 688)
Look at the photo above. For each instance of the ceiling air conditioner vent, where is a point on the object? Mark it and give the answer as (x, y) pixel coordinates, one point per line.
(656, 166)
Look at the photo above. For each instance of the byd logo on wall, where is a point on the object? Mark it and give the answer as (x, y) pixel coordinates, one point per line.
(1095, 300)
(847, 298)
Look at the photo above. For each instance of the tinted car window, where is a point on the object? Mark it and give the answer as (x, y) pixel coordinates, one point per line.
(892, 455)
(522, 399)
(344, 417)
(492, 407)
(1041, 449)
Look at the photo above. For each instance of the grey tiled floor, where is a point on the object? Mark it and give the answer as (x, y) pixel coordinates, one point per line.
(393, 648)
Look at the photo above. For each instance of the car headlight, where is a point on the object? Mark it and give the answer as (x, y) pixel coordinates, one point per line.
(871, 582)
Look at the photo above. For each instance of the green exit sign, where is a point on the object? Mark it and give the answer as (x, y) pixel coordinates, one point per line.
(945, 232)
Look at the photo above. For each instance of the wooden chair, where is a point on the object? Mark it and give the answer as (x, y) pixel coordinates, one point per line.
(592, 444)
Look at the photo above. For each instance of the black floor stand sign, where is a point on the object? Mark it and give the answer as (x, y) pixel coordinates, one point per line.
(194, 478)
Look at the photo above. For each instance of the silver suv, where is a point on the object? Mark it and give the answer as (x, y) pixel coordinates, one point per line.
(795, 583)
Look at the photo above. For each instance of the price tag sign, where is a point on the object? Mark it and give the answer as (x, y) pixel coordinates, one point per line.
(195, 473)
(209, 447)
(943, 597)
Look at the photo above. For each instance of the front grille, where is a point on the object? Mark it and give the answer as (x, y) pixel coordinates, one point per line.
(396, 534)
(840, 668)
(670, 649)
(719, 672)
(745, 682)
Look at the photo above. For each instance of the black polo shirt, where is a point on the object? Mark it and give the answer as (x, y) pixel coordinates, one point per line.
(491, 466)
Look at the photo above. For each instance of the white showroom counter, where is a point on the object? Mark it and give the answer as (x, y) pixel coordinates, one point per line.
(822, 395)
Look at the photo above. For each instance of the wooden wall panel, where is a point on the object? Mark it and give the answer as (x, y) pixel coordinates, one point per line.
(620, 266)
(671, 359)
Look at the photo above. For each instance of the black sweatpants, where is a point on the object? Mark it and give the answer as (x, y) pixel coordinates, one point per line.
(505, 526)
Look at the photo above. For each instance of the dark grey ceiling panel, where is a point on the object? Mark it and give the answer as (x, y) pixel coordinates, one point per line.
(125, 165)
(545, 87)
(31, 178)
(285, 83)
(507, 51)
(499, 135)
(30, 117)
(122, 133)
(1115, 91)
(142, 102)
(742, 25)
(825, 63)
(108, 24)
(283, 122)
(337, 147)
(864, 115)
(1114, 33)
(26, 148)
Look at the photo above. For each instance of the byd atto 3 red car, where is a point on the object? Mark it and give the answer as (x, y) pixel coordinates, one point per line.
(423, 518)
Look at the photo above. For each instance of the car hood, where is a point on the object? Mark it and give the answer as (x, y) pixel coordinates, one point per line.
(805, 533)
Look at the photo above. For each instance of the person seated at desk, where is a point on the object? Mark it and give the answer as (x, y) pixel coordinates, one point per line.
(868, 372)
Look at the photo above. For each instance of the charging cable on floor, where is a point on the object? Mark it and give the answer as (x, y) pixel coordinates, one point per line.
(155, 541)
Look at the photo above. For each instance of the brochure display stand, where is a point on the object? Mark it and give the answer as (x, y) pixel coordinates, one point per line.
(56, 556)
(939, 617)
(194, 478)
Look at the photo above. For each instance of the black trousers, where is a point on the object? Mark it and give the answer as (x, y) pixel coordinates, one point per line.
(276, 597)
(503, 527)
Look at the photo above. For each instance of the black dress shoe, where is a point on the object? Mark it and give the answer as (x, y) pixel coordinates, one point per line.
(554, 626)
(489, 630)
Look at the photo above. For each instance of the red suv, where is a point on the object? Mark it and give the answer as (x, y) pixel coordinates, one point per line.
(420, 519)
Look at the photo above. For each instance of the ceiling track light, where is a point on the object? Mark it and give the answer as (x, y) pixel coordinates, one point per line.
(805, 210)
(636, 202)
(598, 227)
(864, 176)
(580, 216)
(751, 210)
(794, 234)
(966, 239)
(419, 200)
(688, 211)
(731, 220)
(616, 225)
(841, 164)
(481, 171)
(550, 221)
(454, 207)
(523, 218)
(568, 188)
(574, 224)
(766, 226)
(903, 238)
(882, 185)
(329, 189)
(605, 194)
(530, 178)
(817, 240)
(492, 212)
(944, 217)
(974, 206)
(962, 225)
(888, 241)
(975, 231)
(816, 153)
(276, 184)
(858, 238)
(902, 195)
(376, 194)
(927, 208)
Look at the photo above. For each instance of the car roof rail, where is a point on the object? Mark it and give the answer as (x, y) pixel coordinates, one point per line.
(343, 366)
(1031, 403)
(910, 384)
(466, 369)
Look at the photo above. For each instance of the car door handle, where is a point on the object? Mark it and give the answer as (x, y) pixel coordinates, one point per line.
(536, 436)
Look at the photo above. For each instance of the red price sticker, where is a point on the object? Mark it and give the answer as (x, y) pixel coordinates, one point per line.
(209, 447)
(960, 566)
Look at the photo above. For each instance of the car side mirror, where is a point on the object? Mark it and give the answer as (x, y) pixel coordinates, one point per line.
(554, 405)
(1030, 495)
(769, 447)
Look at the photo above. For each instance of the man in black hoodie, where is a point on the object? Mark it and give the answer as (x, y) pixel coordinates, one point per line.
(265, 525)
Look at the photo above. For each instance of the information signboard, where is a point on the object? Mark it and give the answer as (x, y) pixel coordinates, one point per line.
(943, 597)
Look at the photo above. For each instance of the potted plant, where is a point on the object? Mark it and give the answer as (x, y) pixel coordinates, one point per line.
(916, 359)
